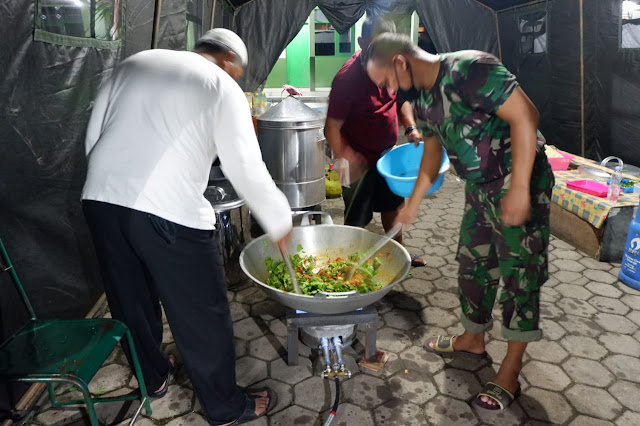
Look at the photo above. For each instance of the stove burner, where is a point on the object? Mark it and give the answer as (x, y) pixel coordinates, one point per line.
(316, 326)
(311, 336)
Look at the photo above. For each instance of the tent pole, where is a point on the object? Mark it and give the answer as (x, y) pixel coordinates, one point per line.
(312, 52)
(495, 16)
(582, 113)
(156, 24)
(483, 5)
(213, 13)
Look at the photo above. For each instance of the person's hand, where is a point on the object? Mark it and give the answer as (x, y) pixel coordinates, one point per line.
(406, 215)
(353, 156)
(358, 164)
(282, 242)
(415, 136)
(515, 206)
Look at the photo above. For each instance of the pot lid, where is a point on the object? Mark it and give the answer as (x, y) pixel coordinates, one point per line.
(222, 196)
(290, 111)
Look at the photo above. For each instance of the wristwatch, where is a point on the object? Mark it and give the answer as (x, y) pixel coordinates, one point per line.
(409, 130)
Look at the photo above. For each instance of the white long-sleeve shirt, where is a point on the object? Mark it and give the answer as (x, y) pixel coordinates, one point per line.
(157, 126)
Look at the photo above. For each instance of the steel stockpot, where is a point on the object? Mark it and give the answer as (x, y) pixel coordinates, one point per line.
(292, 139)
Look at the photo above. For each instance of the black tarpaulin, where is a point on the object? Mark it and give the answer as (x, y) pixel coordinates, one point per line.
(139, 26)
(503, 4)
(585, 86)
(45, 96)
(172, 25)
(452, 24)
(46, 92)
(459, 25)
(559, 114)
(392, 7)
(343, 14)
(614, 86)
(266, 30)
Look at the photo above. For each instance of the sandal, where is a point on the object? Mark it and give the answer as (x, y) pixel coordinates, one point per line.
(170, 375)
(249, 413)
(444, 348)
(503, 397)
(254, 393)
(417, 261)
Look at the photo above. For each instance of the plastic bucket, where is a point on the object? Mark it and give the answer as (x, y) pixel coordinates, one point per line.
(400, 166)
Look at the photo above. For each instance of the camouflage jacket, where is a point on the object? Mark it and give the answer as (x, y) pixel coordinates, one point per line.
(460, 109)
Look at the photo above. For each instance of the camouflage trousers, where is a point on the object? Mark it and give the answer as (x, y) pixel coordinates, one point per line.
(488, 250)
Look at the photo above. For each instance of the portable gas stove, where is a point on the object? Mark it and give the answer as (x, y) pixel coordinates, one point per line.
(327, 321)
(330, 333)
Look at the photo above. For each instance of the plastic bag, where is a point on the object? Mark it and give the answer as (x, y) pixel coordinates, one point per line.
(291, 90)
(341, 165)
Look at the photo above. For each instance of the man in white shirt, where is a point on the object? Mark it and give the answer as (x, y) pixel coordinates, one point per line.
(157, 126)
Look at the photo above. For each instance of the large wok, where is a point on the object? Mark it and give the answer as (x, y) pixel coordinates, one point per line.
(326, 242)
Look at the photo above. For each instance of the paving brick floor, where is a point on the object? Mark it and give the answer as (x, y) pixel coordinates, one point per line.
(585, 371)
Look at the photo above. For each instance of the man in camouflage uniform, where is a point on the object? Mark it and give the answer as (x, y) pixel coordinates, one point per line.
(472, 105)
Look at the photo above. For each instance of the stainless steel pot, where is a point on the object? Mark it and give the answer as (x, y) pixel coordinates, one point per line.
(233, 228)
(327, 242)
(292, 142)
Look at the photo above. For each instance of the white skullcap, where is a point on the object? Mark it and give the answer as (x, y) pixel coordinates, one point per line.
(227, 40)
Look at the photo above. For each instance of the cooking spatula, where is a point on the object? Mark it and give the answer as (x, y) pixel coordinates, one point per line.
(292, 273)
(373, 250)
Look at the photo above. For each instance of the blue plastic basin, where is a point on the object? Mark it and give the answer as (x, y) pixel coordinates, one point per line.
(400, 166)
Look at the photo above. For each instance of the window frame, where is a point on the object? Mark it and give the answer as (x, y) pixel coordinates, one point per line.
(45, 36)
(351, 32)
(336, 38)
(522, 16)
(620, 25)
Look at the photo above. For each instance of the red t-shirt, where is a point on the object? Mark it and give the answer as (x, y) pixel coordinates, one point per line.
(371, 119)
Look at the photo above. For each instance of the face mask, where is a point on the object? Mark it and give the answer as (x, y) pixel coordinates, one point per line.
(410, 94)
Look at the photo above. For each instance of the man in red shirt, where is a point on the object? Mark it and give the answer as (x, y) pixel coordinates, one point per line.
(362, 123)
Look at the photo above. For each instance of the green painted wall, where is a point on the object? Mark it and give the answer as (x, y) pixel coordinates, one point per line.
(298, 66)
(327, 67)
(278, 75)
(415, 24)
(295, 68)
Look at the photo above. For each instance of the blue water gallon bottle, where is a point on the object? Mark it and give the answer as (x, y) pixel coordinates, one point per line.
(630, 268)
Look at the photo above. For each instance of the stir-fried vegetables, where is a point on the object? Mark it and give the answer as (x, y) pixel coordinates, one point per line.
(329, 277)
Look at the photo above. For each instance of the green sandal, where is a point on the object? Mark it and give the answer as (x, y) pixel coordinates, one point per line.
(503, 397)
(444, 348)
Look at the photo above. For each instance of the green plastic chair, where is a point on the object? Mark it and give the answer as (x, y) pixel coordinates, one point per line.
(66, 351)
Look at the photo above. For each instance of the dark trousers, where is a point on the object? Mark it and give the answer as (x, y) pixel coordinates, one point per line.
(145, 260)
